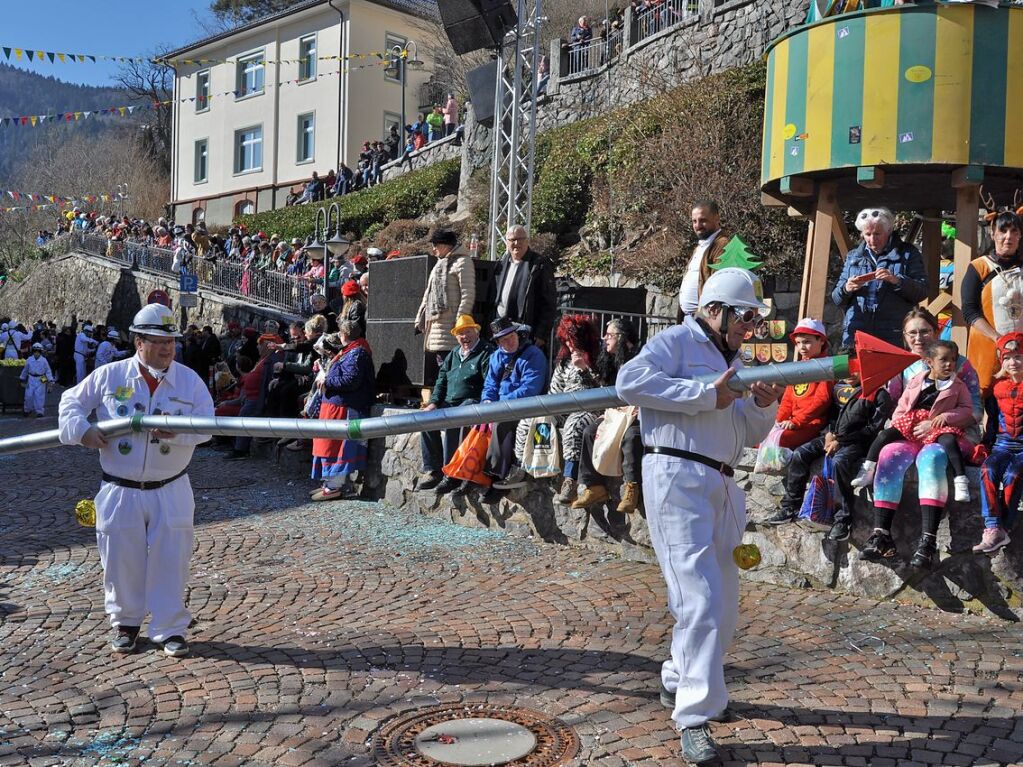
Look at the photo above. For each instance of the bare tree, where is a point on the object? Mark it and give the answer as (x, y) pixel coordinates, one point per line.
(153, 83)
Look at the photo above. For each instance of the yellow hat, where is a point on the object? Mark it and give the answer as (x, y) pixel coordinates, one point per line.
(464, 322)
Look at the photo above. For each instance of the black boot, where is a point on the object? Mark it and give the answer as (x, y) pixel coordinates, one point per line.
(926, 551)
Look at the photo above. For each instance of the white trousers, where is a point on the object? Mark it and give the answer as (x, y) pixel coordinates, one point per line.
(80, 371)
(145, 541)
(35, 396)
(696, 517)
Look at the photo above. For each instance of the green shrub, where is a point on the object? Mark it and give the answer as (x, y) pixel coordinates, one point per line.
(407, 196)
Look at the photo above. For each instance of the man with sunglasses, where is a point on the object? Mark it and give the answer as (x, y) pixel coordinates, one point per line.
(145, 505)
(693, 435)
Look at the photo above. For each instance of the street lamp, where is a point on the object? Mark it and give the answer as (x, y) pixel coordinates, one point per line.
(398, 68)
(336, 245)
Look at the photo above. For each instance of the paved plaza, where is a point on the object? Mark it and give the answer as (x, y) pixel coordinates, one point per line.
(317, 623)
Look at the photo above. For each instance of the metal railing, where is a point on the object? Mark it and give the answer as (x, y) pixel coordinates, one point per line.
(659, 16)
(268, 288)
(594, 54)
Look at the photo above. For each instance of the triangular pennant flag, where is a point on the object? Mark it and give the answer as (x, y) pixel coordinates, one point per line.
(34, 120)
(7, 53)
(122, 110)
(17, 53)
(91, 58)
(61, 57)
(40, 55)
(50, 56)
(81, 58)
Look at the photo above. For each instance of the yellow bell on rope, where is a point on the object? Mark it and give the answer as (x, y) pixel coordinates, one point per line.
(746, 555)
(85, 513)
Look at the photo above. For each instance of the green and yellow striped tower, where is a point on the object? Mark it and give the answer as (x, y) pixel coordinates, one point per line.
(911, 89)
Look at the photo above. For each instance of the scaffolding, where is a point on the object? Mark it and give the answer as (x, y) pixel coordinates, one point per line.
(514, 139)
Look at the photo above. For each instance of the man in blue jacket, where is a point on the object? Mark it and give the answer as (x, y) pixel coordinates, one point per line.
(517, 369)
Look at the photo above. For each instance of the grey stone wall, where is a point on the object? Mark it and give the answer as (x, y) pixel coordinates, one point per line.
(102, 291)
(794, 555)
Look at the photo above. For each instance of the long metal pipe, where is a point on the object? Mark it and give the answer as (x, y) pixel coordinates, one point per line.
(790, 373)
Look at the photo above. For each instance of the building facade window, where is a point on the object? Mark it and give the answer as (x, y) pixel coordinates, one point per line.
(248, 149)
(390, 41)
(250, 75)
(244, 208)
(307, 58)
(202, 160)
(202, 90)
(392, 119)
(199, 214)
(306, 137)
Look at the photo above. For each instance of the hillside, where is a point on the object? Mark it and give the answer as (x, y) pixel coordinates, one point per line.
(28, 93)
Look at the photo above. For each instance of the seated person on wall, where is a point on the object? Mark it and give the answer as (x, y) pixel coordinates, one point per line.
(804, 409)
(993, 299)
(883, 277)
(929, 430)
(574, 370)
(459, 382)
(620, 345)
(846, 441)
(1002, 471)
(517, 369)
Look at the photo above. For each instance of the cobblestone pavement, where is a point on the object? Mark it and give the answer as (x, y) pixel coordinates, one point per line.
(317, 622)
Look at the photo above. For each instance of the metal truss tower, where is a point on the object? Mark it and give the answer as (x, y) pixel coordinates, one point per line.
(511, 181)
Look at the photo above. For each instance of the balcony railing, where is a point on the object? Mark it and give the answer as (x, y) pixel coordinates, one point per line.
(280, 291)
(660, 16)
(594, 54)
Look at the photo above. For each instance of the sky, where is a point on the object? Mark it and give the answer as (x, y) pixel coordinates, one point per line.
(97, 27)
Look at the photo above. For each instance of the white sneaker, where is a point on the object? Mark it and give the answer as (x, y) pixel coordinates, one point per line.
(962, 488)
(865, 477)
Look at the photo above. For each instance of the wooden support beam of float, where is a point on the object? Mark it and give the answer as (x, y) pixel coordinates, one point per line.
(870, 177)
(932, 251)
(813, 291)
(841, 234)
(939, 304)
(796, 186)
(967, 206)
(968, 175)
(770, 201)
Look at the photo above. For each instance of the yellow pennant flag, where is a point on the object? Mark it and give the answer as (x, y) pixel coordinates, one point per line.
(17, 53)
(122, 110)
(61, 57)
(78, 115)
(34, 120)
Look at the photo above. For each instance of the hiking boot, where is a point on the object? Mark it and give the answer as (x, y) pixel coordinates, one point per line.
(780, 517)
(865, 476)
(516, 478)
(879, 546)
(568, 491)
(962, 488)
(428, 480)
(175, 646)
(591, 496)
(697, 745)
(994, 538)
(630, 498)
(447, 485)
(839, 532)
(925, 552)
(126, 640)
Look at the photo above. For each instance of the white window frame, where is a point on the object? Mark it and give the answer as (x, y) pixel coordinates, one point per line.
(202, 74)
(311, 66)
(392, 39)
(300, 135)
(239, 150)
(241, 69)
(238, 207)
(206, 161)
(392, 118)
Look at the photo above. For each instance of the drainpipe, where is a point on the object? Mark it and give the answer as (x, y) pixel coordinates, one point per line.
(342, 81)
(175, 138)
(277, 121)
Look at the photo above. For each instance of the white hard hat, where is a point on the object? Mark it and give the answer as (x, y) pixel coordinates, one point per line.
(37, 347)
(155, 320)
(3, 327)
(87, 327)
(374, 252)
(734, 287)
(113, 333)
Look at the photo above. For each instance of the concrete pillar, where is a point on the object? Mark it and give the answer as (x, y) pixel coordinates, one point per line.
(559, 63)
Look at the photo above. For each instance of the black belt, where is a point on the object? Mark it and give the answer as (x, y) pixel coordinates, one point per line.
(152, 484)
(721, 466)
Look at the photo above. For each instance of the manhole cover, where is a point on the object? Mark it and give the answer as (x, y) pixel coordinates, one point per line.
(474, 736)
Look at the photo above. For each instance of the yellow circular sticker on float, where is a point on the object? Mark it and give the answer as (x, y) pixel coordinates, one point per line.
(918, 74)
(790, 131)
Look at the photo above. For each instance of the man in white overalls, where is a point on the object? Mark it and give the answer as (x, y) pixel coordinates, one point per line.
(85, 347)
(693, 435)
(145, 505)
(36, 377)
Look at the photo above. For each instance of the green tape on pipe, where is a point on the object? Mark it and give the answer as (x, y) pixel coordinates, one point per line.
(355, 429)
(840, 365)
(136, 422)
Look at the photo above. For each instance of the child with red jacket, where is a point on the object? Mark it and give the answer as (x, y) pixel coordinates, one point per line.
(804, 409)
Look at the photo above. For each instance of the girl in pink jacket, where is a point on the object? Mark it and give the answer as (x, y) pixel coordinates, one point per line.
(935, 407)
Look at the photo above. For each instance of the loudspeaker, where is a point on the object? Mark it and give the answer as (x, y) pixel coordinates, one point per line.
(397, 286)
(474, 24)
(482, 82)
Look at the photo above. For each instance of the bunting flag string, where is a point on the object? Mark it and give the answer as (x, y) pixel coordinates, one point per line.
(47, 201)
(32, 121)
(29, 55)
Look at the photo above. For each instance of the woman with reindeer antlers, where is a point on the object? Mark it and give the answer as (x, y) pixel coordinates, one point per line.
(993, 293)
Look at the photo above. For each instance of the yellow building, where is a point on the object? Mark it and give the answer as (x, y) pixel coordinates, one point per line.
(258, 108)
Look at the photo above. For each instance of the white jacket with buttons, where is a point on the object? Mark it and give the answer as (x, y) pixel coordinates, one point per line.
(118, 390)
